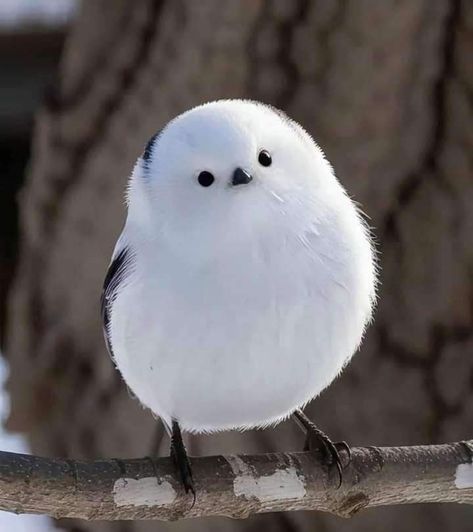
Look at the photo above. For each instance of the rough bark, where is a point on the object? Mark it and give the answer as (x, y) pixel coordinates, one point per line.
(236, 486)
(385, 87)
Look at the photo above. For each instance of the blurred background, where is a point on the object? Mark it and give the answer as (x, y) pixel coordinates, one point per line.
(386, 90)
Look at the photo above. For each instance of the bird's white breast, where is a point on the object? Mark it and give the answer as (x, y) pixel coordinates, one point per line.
(247, 336)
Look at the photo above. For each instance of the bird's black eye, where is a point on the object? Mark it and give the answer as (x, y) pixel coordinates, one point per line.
(264, 158)
(205, 178)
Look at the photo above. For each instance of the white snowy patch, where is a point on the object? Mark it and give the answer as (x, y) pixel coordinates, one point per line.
(16, 443)
(16, 14)
(464, 476)
(283, 484)
(143, 492)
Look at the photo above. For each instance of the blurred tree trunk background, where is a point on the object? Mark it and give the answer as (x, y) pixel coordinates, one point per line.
(386, 89)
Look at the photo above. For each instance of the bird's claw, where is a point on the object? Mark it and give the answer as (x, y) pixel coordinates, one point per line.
(183, 466)
(333, 454)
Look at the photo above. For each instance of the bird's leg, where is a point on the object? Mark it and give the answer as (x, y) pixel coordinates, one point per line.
(180, 458)
(318, 440)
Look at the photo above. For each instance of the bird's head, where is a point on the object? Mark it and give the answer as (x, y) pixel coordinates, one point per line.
(229, 171)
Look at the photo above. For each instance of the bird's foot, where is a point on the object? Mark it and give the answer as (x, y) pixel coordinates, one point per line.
(333, 454)
(181, 461)
(183, 467)
(336, 454)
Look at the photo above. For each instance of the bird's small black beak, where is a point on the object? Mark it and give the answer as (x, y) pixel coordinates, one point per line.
(241, 177)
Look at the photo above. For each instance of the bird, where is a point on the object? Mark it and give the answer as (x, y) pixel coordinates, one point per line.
(244, 278)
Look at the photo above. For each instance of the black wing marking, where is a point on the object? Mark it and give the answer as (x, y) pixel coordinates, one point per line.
(149, 148)
(116, 274)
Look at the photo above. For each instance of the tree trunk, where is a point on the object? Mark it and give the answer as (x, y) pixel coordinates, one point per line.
(385, 88)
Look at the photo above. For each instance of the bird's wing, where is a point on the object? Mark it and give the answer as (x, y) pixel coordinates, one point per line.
(117, 272)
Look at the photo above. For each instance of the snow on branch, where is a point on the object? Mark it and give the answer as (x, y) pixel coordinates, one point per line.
(235, 486)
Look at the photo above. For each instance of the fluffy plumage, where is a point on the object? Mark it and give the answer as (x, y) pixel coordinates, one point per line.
(241, 303)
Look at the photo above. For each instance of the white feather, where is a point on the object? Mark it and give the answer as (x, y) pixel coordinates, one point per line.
(243, 302)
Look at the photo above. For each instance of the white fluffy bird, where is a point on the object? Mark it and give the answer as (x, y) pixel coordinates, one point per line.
(244, 277)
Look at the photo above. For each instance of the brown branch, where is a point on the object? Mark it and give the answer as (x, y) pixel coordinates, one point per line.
(235, 486)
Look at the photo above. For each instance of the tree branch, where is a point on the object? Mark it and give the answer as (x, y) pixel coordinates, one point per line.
(235, 486)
